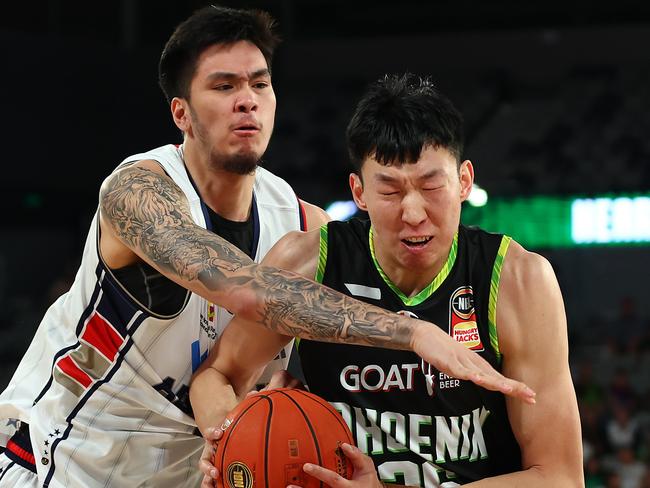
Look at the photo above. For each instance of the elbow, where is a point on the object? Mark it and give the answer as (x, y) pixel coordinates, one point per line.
(564, 475)
(245, 302)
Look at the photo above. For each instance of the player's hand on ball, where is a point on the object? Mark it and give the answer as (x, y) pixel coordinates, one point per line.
(364, 475)
(454, 359)
(280, 379)
(210, 472)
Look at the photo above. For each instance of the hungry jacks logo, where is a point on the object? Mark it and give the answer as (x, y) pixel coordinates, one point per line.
(462, 319)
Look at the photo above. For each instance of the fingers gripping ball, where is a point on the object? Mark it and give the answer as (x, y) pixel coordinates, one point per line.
(273, 433)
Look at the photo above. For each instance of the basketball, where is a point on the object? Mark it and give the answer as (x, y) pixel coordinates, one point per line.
(273, 433)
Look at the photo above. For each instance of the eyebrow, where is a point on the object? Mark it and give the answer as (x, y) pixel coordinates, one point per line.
(385, 178)
(430, 174)
(227, 75)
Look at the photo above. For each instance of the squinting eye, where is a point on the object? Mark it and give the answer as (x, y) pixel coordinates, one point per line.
(388, 194)
(223, 87)
(261, 84)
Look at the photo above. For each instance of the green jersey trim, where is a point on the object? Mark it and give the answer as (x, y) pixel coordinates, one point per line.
(494, 294)
(322, 262)
(322, 254)
(430, 288)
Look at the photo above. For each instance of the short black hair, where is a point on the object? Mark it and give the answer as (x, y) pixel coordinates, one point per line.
(204, 28)
(400, 115)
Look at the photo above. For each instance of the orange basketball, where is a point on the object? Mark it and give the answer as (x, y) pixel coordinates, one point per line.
(273, 433)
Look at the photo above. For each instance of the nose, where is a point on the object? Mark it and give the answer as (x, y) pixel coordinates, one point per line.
(413, 209)
(246, 101)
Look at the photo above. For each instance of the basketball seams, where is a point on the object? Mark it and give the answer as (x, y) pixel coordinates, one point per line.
(331, 410)
(266, 440)
(309, 424)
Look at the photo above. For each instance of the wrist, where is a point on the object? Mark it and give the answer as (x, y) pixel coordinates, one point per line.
(417, 338)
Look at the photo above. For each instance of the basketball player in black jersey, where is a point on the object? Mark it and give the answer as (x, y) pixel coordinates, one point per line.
(420, 426)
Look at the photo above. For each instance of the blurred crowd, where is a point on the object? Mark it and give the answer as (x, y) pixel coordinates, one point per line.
(611, 372)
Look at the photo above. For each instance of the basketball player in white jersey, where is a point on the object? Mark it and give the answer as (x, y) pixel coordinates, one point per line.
(101, 396)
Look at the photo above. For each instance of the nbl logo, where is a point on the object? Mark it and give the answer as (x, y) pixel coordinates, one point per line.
(462, 319)
(462, 302)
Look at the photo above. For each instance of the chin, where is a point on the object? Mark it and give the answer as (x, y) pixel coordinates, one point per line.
(241, 163)
(419, 262)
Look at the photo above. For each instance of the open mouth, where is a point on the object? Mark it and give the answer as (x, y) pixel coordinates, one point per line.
(417, 241)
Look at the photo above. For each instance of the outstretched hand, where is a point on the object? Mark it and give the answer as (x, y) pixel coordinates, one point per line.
(454, 359)
(364, 475)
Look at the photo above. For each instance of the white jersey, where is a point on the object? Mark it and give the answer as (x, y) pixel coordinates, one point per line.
(103, 383)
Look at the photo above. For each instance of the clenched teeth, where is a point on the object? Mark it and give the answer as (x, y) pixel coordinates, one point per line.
(417, 240)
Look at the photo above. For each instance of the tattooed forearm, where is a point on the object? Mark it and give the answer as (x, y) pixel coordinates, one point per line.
(299, 307)
(150, 213)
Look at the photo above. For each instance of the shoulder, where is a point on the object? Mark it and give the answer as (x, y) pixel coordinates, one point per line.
(523, 270)
(297, 251)
(131, 172)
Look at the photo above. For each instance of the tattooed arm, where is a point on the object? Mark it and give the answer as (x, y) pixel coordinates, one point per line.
(147, 212)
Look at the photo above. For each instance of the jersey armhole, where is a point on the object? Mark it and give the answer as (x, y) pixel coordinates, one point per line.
(494, 295)
(124, 292)
(302, 215)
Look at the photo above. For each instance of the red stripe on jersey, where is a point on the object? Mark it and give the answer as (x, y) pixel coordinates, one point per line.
(102, 336)
(20, 452)
(303, 215)
(70, 368)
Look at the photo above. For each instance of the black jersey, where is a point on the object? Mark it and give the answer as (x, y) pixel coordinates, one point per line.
(420, 426)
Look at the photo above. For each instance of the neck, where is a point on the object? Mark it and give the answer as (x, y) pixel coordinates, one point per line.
(409, 281)
(229, 194)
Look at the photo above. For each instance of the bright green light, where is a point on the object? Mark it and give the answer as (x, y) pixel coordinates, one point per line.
(544, 222)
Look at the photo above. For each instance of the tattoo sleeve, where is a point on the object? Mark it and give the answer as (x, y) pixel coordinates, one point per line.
(151, 215)
(299, 307)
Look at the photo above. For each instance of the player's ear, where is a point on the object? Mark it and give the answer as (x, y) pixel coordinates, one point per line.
(356, 186)
(180, 114)
(466, 176)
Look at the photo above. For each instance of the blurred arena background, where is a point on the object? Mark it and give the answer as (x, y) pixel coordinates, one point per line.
(556, 99)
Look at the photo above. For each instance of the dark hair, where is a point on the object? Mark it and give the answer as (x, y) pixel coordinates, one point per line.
(397, 117)
(204, 28)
